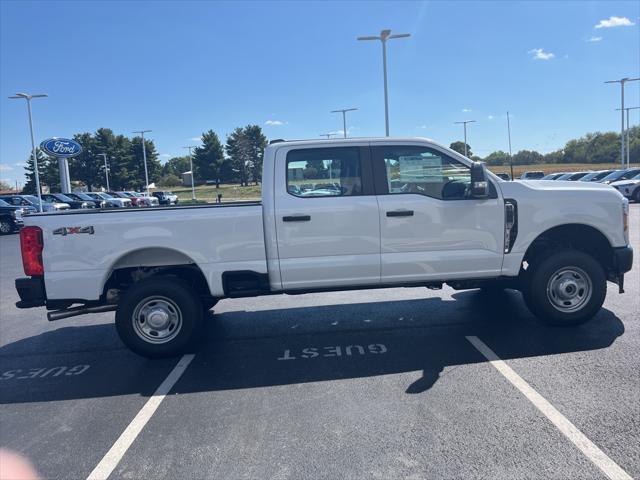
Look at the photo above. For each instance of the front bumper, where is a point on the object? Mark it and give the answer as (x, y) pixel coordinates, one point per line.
(31, 292)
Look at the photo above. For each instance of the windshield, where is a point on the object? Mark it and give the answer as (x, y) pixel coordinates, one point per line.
(615, 175)
(3, 203)
(33, 199)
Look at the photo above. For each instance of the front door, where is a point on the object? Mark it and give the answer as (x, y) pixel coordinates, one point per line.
(430, 226)
(328, 233)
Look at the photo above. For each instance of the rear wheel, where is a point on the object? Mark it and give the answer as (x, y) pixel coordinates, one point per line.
(566, 288)
(636, 195)
(159, 317)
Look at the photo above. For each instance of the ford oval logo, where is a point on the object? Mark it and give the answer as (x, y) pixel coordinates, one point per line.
(61, 147)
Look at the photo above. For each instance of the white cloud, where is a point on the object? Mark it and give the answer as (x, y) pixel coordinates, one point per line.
(466, 110)
(165, 155)
(195, 139)
(594, 39)
(423, 127)
(19, 164)
(615, 22)
(490, 117)
(274, 122)
(5, 168)
(540, 54)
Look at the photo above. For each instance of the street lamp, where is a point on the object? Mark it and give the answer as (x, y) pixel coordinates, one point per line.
(508, 133)
(106, 169)
(28, 98)
(628, 132)
(344, 118)
(465, 133)
(193, 188)
(622, 81)
(383, 37)
(144, 157)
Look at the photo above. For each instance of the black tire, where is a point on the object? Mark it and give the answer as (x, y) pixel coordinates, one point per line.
(565, 288)
(6, 226)
(163, 297)
(636, 195)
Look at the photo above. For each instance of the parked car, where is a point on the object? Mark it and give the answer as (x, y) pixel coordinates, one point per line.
(623, 174)
(62, 198)
(407, 212)
(595, 176)
(142, 199)
(83, 197)
(32, 201)
(166, 198)
(571, 176)
(110, 200)
(10, 218)
(629, 188)
(503, 176)
(553, 176)
(535, 175)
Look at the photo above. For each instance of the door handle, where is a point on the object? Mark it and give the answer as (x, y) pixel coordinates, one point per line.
(400, 213)
(296, 218)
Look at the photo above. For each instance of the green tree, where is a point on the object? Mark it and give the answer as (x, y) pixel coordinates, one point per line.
(527, 157)
(238, 151)
(47, 170)
(87, 167)
(169, 180)
(554, 157)
(257, 142)
(497, 158)
(209, 162)
(176, 166)
(459, 147)
(134, 165)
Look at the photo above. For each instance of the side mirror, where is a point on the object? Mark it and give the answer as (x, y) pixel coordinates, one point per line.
(479, 181)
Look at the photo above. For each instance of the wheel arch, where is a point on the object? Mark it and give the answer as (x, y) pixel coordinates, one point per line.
(582, 237)
(148, 262)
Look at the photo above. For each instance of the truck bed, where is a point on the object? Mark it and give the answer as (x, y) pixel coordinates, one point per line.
(84, 246)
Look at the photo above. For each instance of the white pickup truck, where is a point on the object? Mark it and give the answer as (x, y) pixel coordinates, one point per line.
(334, 215)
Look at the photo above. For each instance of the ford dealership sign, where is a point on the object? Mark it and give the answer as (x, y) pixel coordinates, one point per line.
(61, 147)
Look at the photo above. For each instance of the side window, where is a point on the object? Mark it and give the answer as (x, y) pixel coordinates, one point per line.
(425, 171)
(324, 172)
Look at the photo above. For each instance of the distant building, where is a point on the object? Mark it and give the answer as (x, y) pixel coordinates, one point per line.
(186, 179)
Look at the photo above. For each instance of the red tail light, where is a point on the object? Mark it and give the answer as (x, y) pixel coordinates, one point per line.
(31, 245)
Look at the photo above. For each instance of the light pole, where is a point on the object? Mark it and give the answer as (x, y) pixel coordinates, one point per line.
(144, 157)
(628, 133)
(383, 37)
(622, 81)
(28, 98)
(465, 133)
(193, 188)
(344, 118)
(509, 133)
(328, 135)
(106, 169)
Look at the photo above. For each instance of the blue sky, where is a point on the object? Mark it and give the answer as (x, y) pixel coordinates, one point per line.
(180, 68)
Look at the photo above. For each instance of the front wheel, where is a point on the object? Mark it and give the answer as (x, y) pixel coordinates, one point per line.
(566, 288)
(159, 317)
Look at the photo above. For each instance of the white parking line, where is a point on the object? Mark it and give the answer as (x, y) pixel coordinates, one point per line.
(568, 429)
(110, 461)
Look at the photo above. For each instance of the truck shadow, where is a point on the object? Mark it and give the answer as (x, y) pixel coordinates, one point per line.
(250, 349)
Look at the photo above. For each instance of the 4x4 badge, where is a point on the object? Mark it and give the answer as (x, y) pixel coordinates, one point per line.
(72, 230)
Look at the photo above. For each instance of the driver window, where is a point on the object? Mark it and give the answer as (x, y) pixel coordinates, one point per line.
(427, 172)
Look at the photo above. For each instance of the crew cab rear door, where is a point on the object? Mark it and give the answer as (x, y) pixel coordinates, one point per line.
(326, 215)
(431, 228)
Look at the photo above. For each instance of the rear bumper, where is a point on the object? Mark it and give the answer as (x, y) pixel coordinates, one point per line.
(31, 292)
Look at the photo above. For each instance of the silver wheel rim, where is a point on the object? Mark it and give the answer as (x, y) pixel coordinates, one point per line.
(5, 227)
(157, 320)
(569, 289)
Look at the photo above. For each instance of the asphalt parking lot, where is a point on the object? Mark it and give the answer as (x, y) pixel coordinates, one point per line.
(367, 384)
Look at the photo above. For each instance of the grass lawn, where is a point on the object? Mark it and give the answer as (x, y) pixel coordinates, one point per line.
(234, 192)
